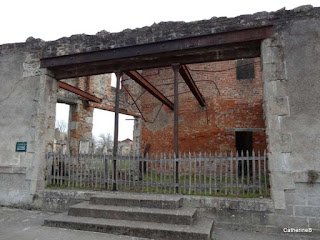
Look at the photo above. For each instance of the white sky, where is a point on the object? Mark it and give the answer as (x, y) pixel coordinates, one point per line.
(50, 20)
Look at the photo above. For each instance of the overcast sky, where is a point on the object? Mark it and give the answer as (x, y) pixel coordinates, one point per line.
(50, 20)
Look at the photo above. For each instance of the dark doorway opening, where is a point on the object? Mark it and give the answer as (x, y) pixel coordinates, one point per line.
(244, 148)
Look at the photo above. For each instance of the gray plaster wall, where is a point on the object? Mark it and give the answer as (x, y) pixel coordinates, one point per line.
(27, 109)
(291, 60)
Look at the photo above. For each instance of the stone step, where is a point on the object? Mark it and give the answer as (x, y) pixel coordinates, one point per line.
(138, 200)
(182, 216)
(200, 230)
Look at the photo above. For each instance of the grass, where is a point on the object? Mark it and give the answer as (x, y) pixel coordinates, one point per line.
(166, 186)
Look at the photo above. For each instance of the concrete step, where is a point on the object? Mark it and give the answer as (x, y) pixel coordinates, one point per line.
(182, 216)
(138, 200)
(200, 230)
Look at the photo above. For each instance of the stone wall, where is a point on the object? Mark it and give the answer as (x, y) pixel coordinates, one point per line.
(27, 107)
(291, 101)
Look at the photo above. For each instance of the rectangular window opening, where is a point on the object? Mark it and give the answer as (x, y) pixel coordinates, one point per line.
(245, 69)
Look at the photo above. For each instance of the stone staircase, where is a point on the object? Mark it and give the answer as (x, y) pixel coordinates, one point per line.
(147, 216)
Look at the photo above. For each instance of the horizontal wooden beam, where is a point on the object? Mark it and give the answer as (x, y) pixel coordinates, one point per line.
(216, 39)
(112, 109)
(185, 74)
(79, 92)
(134, 75)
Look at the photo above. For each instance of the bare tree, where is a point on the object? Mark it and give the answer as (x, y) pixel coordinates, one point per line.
(62, 126)
(106, 142)
(103, 143)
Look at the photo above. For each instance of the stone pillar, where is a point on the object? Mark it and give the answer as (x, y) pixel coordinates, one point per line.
(276, 108)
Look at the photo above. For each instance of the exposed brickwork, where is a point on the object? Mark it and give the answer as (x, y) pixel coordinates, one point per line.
(230, 104)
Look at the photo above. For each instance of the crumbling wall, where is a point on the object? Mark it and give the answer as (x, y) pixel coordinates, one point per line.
(231, 105)
(81, 110)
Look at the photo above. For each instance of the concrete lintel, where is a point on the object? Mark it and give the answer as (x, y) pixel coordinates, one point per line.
(245, 129)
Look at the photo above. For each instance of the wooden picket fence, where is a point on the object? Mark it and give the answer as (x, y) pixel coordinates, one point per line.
(219, 174)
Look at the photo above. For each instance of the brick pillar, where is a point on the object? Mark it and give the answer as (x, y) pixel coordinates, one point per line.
(81, 117)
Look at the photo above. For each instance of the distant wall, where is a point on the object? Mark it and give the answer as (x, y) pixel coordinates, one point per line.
(231, 105)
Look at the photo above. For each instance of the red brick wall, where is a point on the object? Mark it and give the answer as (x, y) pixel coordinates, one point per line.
(230, 104)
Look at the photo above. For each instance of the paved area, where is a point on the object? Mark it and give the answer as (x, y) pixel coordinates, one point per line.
(224, 234)
(18, 224)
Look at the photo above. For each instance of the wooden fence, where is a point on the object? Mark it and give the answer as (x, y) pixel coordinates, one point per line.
(220, 174)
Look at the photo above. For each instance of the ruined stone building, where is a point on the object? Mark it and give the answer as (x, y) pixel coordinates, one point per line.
(249, 82)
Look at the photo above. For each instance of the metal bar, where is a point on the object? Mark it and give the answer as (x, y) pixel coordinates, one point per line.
(185, 74)
(119, 171)
(237, 172)
(116, 131)
(161, 172)
(151, 171)
(231, 172)
(215, 173)
(217, 39)
(190, 174)
(174, 175)
(112, 109)
(179, 168)
(129, 171)
(79, 92)
(134, 75)
(60, 170)
(132, 171)
(96, 171)
(205, 173)
(200, 175)
(226, 174)
(156, 173)
(254, 172)
(259, 173)
(169, 168)
(54, 169)
(210, 174)
(104, 171)
(195, 173)
(165, 174)
(142, 172)
(80, 170)
(69, 170)
(220, 165)
(248, 173)
(75, 172)
(176, 68)
(147, 171)
(242, 172)
(185, 173)
(210, 54)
